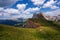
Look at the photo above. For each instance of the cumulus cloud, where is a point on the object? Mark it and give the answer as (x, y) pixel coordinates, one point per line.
(11, 13)
(50, 4)
(54, 7)
(6, 3)
(53, 13)
(31, 10)
(21, 6)
(11, 10)
(38, 2)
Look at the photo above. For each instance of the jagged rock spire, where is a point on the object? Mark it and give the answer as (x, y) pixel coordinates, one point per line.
(40, 15)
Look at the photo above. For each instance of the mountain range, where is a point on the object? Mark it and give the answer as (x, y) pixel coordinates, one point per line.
(12, 22)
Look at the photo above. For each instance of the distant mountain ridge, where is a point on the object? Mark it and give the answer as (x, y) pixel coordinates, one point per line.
(13, 22)
(8, 22)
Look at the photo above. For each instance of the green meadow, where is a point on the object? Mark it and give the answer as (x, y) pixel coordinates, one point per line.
(47, 31)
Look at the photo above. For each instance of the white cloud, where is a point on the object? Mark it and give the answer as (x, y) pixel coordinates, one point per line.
(38, 2)
(31, 10)
(26, 15)
(11, 13)
(54, 7)
(50, 4)
(1, 8)
(21, 6)
(11, 10)
(53, 13)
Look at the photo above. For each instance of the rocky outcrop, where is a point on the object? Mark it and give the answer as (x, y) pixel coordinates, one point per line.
(40, 15)
(31, 24)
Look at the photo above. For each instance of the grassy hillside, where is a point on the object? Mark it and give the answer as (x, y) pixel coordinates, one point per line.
(41, 33)
(46, 23)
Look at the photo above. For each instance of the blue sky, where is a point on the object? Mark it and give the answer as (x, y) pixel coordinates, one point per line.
(12, 9)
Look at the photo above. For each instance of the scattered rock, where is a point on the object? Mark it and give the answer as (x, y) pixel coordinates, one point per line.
(31, 24)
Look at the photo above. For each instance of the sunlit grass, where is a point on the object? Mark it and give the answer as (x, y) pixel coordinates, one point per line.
(40, 33)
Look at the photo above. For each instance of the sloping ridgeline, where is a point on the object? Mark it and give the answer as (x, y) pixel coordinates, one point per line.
(43, 21)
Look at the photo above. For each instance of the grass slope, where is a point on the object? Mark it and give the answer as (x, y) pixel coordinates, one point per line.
(41, 33)
(46, 23)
